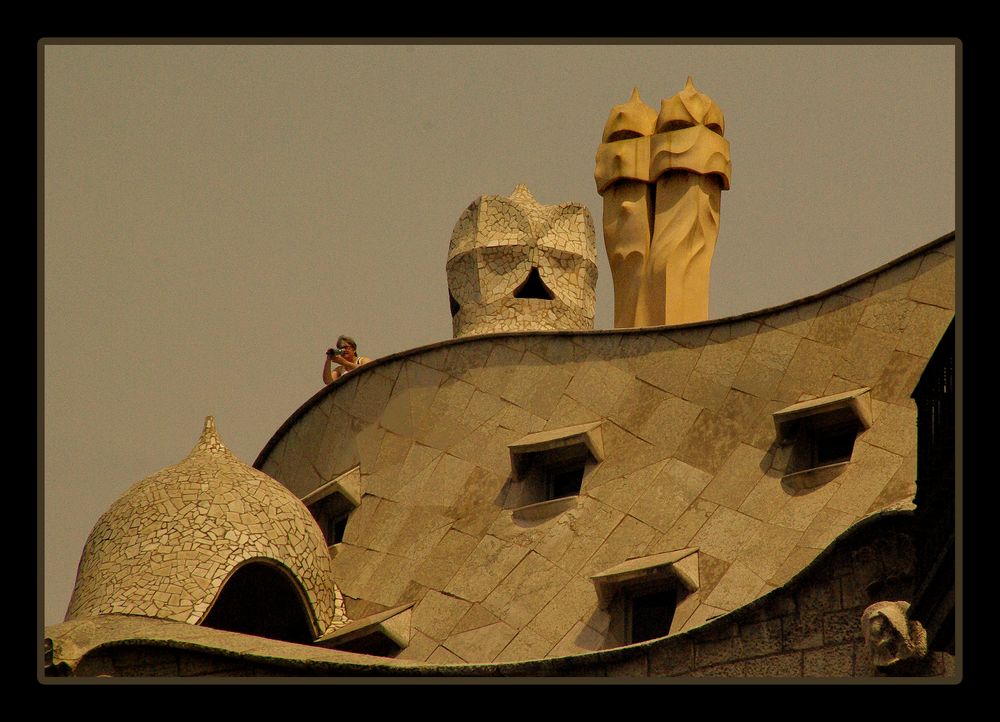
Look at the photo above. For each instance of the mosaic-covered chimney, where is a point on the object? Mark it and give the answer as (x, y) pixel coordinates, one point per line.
(517, 265)
(662, 176)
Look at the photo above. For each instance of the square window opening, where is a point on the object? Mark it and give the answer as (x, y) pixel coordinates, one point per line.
(332, 514)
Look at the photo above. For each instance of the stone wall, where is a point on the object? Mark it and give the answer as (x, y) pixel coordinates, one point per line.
(810, 628)
(691, 460)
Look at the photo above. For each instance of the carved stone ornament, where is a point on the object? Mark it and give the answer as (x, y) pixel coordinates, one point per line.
(890, 636)
(662, 177)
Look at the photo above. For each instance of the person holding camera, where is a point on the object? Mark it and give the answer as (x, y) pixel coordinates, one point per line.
(345, 355)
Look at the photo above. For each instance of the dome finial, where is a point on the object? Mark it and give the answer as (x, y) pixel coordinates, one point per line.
(209, 440)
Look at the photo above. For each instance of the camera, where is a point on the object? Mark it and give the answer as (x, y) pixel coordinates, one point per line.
(335, 351)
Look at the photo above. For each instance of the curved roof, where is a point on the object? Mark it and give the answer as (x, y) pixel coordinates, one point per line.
(168, 545)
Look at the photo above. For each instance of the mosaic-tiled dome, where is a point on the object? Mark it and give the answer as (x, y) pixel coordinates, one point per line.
(168, 545)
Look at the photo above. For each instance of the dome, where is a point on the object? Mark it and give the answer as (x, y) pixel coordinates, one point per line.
(174, 540)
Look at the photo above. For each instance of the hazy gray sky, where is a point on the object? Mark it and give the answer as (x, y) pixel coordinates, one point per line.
(216, 215)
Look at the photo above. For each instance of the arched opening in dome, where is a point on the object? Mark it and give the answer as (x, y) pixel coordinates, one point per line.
(263, 599)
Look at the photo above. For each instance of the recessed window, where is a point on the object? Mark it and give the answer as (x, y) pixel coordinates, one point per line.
(821, 432)
(551, 465)
(331, 505)
(650, 614)
(649, 597)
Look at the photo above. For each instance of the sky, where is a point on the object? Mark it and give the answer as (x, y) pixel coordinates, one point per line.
(216, 215)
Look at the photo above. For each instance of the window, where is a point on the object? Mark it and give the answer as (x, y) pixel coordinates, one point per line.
(551, 465)
(384, 634)
(649, 597)
(650, 614)
(331, 505)
(820, 433)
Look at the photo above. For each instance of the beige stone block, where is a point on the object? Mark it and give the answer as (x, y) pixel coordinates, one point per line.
(703, 391)
(443, 486)
(757, 380)
(626, 452)
(759, 638)
(419, 648)
(501, 365)
(867, 355)
(570, 412)
(422, 383)
(826, 526)
(924, 329)
(517, 419)
(418, 460)
(387, 579)
(836, 322)
(768, 498)
(371, 397)
(740, 332)
(622, 492)
(803, 505)
(895, 281)
(737, 476)
(746, 410)
(796, 320)
(442, 655)
(488, 449)
(672, 490)
(436, 614)
(337, 451)
(445, 559)
(720, 361)
(343, 395)
(604, 346)
(860, 290)
(710, 441)
(559, 350)
(482, 495)
(768, 549)
(887, 313)
(569, 606)
(464, 359)
(474, 618)
(482, 644)
(668, 368)
(738, 586)
(799, 558)
(482, 406)
(491, 561)
(575, 535)
(368, 441)
(526, 590)
(710, 571)
(635, 405)
(633, 350)
(668, 422)
(578, 640)
(685, 528)
(704, 613)
(598, 385)
(421, 529)
(450, 399)
(895, 429)
(812, 366)
(376, 523)
(864, 479)
(692, 337)
(725, 532)
(901, 487)
(628, 540)
(899, 378)
(526, 645)
(444, 433)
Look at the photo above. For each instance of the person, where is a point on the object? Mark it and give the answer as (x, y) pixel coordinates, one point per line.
(345, 355)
